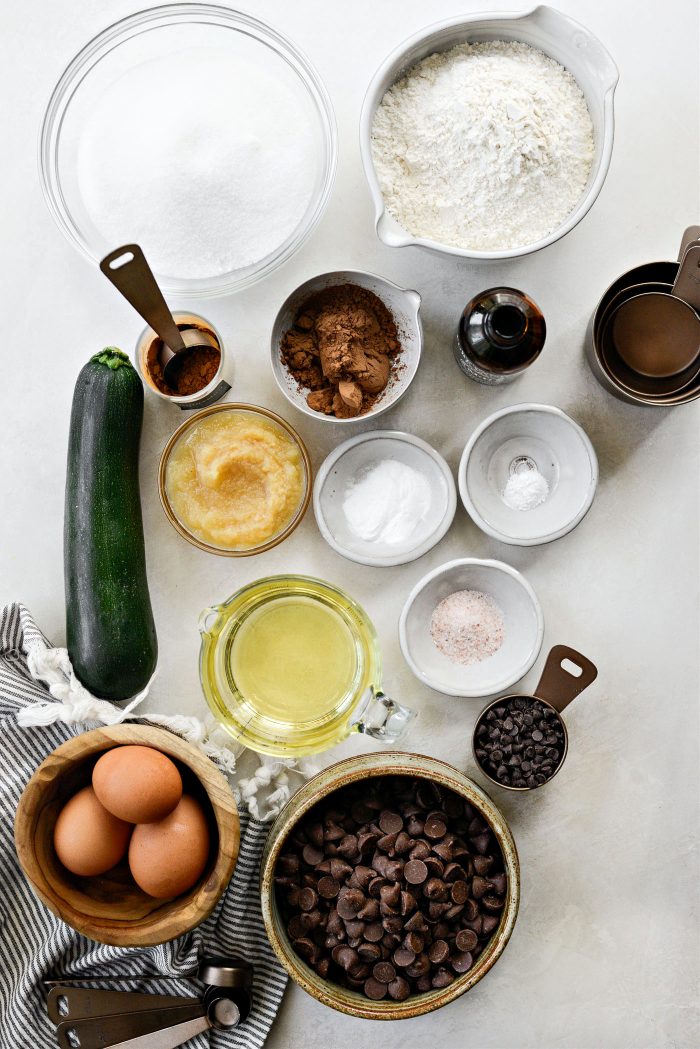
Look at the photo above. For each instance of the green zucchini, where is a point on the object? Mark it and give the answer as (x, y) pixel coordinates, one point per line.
(111, 636)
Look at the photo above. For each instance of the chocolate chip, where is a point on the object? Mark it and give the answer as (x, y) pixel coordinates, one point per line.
(462, 962)
(384, 972)
(403, 957)
(439, 950)
(374, 989)
(415, 872)
(435, 826)
(373, 932)
(459, 892)
(350, 903)
(307, 899)
(390, 822)
(399, 989)
(312, 855)
(466, 940)
(442, 978)
(328, 887)
(413, 942)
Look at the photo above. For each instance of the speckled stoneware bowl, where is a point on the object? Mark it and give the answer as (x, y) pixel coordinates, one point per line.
(343, 774)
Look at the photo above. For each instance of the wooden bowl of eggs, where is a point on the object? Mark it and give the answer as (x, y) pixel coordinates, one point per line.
(128, 834)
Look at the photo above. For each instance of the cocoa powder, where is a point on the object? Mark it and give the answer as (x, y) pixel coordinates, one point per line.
(342, 349)
(196, 370)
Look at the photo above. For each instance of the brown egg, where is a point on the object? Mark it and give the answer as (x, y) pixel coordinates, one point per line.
(168, 857)
(137, 784)
(88, 839)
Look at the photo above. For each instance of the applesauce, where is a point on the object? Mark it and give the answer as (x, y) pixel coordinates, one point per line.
(235, 478)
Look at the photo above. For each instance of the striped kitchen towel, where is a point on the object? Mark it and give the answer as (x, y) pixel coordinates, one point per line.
(35, 945)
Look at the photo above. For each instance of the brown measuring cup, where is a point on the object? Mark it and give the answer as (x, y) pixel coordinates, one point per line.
(556, 688)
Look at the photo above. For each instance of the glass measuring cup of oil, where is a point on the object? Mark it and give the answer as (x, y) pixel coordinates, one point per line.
(290, 665)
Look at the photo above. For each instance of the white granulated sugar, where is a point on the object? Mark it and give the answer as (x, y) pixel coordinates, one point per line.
(208, 161)
(486, 146)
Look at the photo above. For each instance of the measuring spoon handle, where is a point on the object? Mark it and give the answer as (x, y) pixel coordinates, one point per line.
(126, 268)
(168, 1038)
(687, 283)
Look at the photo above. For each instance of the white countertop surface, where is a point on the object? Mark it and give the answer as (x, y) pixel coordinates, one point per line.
(604, 953)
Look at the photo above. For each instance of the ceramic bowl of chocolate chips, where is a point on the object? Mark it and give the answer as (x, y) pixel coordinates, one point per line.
(390, 885)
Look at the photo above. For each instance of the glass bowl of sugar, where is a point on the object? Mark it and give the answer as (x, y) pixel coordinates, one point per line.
(198, 132)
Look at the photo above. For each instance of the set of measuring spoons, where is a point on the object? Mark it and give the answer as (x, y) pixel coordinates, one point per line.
(647, 334)
(107, 1018)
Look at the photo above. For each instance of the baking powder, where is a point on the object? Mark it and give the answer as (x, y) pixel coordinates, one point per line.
(486, 146)
(525, 489)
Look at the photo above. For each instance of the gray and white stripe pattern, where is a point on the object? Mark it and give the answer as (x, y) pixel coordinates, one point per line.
(35, 945)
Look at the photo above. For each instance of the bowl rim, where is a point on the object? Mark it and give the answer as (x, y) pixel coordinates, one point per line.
(254, 409)
(158, 926)
(509, 679)
(373, 97)
(110, 37)
(308, 286)
(409, 553)
(462, 474)
(325, 783)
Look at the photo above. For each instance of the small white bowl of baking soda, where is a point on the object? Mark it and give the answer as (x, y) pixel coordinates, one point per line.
(471, 628)
(528, 474)
(384, 498)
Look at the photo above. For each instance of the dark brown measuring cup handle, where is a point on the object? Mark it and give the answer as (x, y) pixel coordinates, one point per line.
(557, 685)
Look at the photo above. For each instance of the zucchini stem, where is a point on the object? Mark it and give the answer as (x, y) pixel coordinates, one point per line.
(113, 357)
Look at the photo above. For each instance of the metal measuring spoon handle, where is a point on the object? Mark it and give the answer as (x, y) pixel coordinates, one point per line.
(125, 1027)
(687, 283)
(690, 236)
(222, 1014)
(66, 1002)
(128, 271)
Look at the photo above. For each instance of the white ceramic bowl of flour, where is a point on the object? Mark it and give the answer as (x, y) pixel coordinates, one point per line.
(523, 628)
(384, 498)
(543, 28)
(524, 437)
(197, 131)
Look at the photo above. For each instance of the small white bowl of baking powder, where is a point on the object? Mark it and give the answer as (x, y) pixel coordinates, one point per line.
(528, 474)
(471, 628)
(384, 498)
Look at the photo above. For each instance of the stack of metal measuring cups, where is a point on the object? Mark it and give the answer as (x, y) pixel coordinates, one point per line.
(643, 343)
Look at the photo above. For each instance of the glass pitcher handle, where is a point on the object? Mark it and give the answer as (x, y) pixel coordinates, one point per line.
(381, 717)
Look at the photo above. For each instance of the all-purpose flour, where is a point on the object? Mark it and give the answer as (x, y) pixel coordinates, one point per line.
(486, 146)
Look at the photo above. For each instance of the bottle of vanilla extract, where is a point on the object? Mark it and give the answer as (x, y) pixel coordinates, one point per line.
(501, 332)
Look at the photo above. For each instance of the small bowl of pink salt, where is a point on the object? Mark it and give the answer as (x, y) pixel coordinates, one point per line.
(471, 628)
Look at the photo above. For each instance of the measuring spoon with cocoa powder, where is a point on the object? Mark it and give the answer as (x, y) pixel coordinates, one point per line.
(126, 268)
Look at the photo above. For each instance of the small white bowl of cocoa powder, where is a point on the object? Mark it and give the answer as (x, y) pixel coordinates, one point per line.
(346, 345)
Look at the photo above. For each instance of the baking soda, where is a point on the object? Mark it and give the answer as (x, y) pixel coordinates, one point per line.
(387, 503)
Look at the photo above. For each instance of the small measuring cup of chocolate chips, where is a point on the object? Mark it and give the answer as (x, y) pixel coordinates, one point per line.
(520, 741)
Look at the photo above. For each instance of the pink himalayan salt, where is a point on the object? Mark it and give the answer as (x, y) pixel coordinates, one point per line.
(467, 627)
